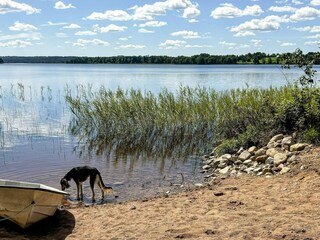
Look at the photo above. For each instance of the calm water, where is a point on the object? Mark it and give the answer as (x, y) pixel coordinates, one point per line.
(34, 142)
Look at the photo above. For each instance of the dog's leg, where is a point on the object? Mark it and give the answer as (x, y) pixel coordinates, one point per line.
(78, 196)
(92, 182)
(81, 188)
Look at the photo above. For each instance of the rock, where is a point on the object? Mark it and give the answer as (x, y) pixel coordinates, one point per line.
(298, 147)
(206, 167)
(271, 152)
(284, 170)
(287, 141)
(247, 162)
(269, 160)
(252, 149)
(262, 158)
(293, 159)
(244, 155)
(276, 138)
(280, 158)
(240, 151)
(198, 185)
(218, 194)
(224, 170)
(260, 152)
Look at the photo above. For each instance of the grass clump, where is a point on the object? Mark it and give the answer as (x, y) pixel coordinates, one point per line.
(191, 120)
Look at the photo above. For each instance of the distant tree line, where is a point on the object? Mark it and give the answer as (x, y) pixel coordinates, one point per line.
(1, 60)
(200, 59)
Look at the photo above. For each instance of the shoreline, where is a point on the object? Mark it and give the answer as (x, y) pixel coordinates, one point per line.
(244, 207)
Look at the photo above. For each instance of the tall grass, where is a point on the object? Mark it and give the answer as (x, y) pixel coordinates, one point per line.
(188, 121)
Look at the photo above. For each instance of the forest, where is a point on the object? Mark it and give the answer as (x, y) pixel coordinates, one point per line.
(200, 59)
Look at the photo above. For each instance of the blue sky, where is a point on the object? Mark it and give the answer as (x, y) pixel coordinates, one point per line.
(151, 27)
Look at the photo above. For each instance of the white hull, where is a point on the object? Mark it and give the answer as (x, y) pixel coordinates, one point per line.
(27, 203)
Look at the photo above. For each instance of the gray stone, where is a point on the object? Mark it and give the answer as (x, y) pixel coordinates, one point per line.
(252, 149)
(298, 147)
(224, 170)
(280, 158)
(271, 152)
(284, 170)
(260, 152)
(287, 141)
(276, 138)
(206, 167)
(261, 158)
(247, 162)
(293, 159)
(244, 155)
(269, 160)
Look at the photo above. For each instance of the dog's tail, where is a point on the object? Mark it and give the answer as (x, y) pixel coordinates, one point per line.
(101, 184)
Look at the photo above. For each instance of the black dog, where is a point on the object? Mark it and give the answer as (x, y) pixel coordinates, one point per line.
(81, 174)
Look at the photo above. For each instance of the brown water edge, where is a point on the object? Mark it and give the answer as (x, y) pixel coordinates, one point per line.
(46, 160)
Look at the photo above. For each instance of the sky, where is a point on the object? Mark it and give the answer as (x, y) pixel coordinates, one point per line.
(157, 27)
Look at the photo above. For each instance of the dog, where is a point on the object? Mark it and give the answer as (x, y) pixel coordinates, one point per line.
(81, 174)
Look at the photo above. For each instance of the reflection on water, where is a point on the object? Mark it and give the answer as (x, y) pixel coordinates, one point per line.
(34, 142)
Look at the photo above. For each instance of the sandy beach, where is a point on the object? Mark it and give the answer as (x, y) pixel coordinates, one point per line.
(247, 207)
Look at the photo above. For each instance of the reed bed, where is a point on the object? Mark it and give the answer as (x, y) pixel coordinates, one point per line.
(188, 121)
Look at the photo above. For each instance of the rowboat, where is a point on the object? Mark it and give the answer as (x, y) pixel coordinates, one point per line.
(26, 203)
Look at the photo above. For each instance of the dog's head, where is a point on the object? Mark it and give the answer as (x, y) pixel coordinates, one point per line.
(64, 184)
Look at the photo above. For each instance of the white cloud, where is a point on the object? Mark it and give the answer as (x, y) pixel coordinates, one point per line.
(244, 34)
(153, 24)
(269, 23)
(287, 44)
(198, 46)
(53, 24)
(193, 20)
(172, 44)
(112, 15)
(26, 36)
(61, 6)
(228, 44)
(84, 43)
(185, 34)
(16, 43)
(148, 12)
(313, 29)
(18, 26)
(312, 43)
(315, 2)
(305, 13)
(133, 46)
(282, 9)
(191, 12)
(7, 6)
(228, 10)
(123, 39)
(109, 28)
(85, 33)
(317, 36)
(297, 2)
(72, 26)
(143, 30)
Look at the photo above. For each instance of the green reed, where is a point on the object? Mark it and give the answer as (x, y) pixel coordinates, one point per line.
(188, 121)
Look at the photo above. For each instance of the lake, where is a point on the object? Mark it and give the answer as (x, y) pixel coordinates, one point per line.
(34, 118)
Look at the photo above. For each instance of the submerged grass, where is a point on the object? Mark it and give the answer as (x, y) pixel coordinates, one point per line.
(188, 121)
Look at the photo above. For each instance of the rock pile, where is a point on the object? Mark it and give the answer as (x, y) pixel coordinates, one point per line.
(276, 158)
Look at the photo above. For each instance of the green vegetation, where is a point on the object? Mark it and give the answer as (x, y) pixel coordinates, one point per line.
(1, 61)
(250, 58)
(194, 120)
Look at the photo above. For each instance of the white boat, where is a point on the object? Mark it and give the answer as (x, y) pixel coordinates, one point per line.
(26, 203)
